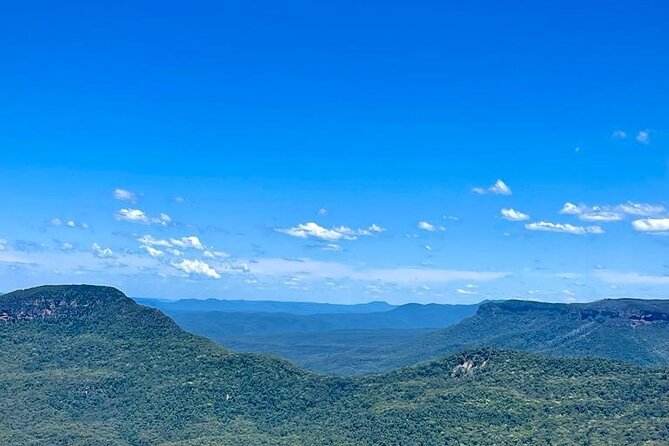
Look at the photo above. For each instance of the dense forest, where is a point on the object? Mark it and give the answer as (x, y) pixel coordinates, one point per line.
(632, 330)
(84, 365)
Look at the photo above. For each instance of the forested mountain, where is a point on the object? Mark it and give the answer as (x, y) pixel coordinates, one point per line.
(83, 365)
(633, 330)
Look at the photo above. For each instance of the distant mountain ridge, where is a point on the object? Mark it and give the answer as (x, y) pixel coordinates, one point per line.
(632, 330)
(263, 306)
(87, 366)
(338, 343)
(216, 324)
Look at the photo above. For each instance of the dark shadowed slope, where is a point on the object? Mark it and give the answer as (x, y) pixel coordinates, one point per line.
(634, 330)
(82, 365)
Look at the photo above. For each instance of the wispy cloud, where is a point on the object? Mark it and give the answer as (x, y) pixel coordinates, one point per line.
(641, 209)
(469, 289)
(643, 137)
(315, 231)
(68, 223)
(138, 216)
(513, 215)
(153, 252)
(331, 247)
(565, 228)
(429, 227)
(498, 188)
(335, 270)
(607, 213)
(630, 278)
(619, 134)
(125, 195)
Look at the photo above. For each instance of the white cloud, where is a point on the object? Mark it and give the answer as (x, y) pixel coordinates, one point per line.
(610, 213)
(149, 243)
(188, 242)
(133, 215)
(66, 246)
(571, 209)
(564, 228)
(376, 228)
(619, 134)
(164, 219)
(138, 216)
(592, 213)
(641, 209)
(499, 188)
(331, 247)
(197, 267)
(103, 253)
(598, 215)
(314, 230)
(149, 240)
(427, 226)
(513, 215)
(322, 211)
(465, 291)
(3, 244)
(153, 252)
(654, 225)
(125, 195)
(428, 248)
(643, 137)
(213, 254)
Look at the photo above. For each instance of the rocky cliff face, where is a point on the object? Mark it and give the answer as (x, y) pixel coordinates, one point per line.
(59, 301)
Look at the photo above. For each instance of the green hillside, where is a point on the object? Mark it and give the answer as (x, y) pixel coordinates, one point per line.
(83, 365)
(633, 330)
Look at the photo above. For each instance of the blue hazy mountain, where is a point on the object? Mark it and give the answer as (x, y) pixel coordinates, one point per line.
(261, 306)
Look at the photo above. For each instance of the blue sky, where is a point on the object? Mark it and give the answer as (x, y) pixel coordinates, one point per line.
(337, 151)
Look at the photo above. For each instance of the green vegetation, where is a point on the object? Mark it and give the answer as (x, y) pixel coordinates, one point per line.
(82, 365)
(336, 352)
(633, 330)
(335, 343)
